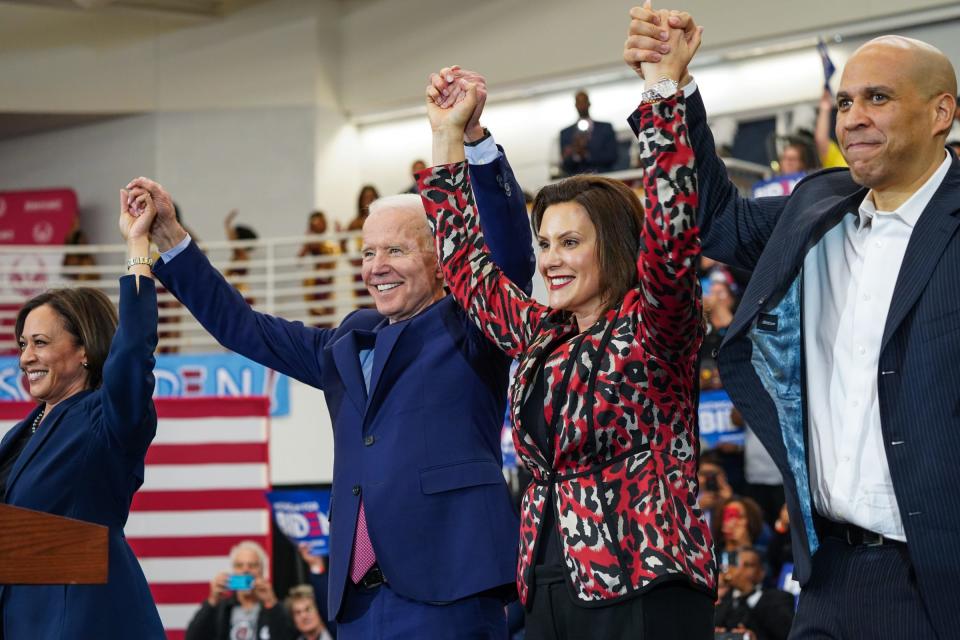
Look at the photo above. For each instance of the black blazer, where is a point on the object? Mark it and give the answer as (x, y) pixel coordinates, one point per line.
(770, 618)
(919, 391)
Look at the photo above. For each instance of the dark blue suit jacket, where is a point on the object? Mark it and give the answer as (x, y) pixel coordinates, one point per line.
(422, 449)
(761, 365)
(602, 147)
(86, 462)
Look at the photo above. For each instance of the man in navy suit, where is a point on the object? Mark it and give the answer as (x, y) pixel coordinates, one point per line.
(587, 146)
(423, 535)
(844, 352)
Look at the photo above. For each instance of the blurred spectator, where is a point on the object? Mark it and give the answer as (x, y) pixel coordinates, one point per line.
(77, 237)
(780, 549)
(317, 249)
(747, 606)
(237, 273)
(241, 614)
(719, 305)
(418, 165)
(740, 525)
(714, 488)
(827, 148)
(301, 604)
(587, 146)
(368, 193)
(795, 158)
(319, 582)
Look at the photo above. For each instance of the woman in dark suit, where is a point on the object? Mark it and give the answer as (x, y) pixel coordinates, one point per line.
(80, 452)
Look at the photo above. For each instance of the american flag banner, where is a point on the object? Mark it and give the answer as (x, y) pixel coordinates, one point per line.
(206, 474)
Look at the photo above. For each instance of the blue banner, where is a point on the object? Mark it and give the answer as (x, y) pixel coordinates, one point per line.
(187, 376)
(716, 427)
(777, 185)
(302, 516)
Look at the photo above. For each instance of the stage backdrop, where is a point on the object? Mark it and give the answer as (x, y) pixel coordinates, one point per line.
(206, 475)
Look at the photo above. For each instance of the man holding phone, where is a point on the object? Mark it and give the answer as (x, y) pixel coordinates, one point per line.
(242, 604)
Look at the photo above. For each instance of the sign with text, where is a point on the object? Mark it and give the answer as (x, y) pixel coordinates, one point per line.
(716, 426)
(187, 376)
(303, 516)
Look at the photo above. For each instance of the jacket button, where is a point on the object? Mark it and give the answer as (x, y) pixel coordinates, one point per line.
(714, 353)
(356, 490)
(369, 440)
(761, 300)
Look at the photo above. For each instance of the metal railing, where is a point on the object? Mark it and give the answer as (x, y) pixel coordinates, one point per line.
(317, 289)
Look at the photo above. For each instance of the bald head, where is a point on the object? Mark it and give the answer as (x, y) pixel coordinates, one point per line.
(927, 66)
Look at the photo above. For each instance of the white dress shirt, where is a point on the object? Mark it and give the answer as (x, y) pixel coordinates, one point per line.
(848, 282)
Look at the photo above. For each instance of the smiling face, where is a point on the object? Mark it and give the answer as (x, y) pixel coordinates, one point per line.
(400, 267)
(51, 357)
(568, 261)
(891, 115)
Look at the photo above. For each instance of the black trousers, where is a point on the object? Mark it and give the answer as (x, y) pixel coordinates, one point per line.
(670, 611)
(861, 592)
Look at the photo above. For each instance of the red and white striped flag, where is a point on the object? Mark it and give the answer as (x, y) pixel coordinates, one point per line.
(206, 474)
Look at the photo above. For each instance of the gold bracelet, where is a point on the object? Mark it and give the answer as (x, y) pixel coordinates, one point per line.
(131, 262)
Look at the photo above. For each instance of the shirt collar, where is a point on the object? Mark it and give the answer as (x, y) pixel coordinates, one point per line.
(908, 212)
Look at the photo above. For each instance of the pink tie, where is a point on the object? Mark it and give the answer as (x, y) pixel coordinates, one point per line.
(363, 555)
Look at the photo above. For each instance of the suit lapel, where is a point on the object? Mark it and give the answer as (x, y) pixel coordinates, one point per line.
(387, 338)
(929, 239)
(346, 356)
(47, 427)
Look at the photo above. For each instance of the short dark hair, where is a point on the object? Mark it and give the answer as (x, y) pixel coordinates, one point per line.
(751, 510)
(617, 215)
(88, 315)
(244, 232)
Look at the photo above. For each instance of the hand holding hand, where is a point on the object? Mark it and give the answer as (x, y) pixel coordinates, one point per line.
(136, 216)
(655, 37)
(452, 112)
(166, 232)
(451, 82)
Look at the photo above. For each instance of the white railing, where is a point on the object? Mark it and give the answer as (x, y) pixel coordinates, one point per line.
(317, 290)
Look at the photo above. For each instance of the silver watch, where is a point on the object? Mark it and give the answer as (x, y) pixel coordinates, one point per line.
(660, 90)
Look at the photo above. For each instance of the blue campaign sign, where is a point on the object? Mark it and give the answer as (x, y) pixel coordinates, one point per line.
(716, 426)
(303, 516)
(187, 376)
(777, 185)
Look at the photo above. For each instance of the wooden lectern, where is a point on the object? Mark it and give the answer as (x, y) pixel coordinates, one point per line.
(39, 548)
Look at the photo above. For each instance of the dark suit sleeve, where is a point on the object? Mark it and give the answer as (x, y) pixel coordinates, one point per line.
(204, 623)
(288, 347)
(603, 146)
(128, 412)
(733, 229)
(504, 220)
(773, 615)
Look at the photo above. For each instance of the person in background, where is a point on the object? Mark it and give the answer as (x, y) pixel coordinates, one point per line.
(368, 194)
(749, 607)
(587, 146)
(417, 166)
(319, 581)
(237, 272)
(827, 148)
(322, 254)
(80, 452)
(714, 488)
(301, 605)
(252, 613)
(794, 158)
(77, 237)
(740, 525)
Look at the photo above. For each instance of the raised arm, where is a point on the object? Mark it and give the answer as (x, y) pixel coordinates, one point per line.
(499, 198)
(128, 412)
(495, 304)
(288, 347)
(733, 229)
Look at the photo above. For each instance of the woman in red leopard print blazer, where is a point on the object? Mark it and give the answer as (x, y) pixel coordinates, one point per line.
(603, 400)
